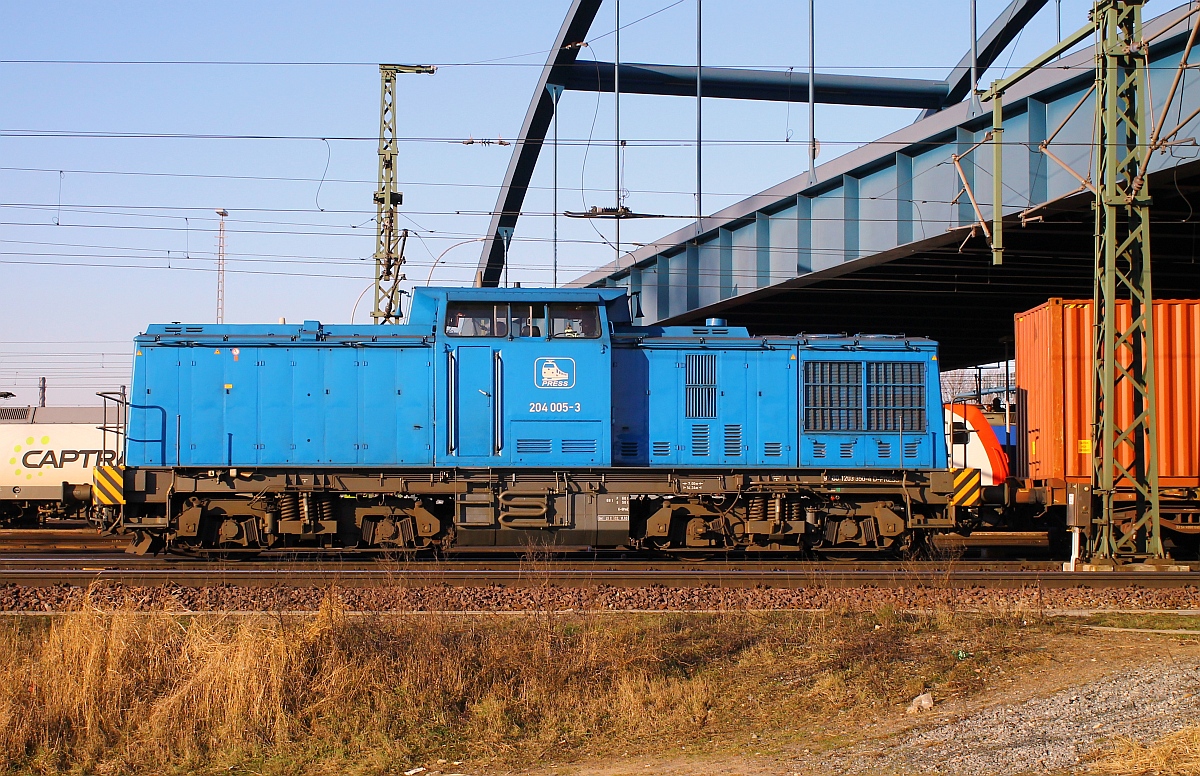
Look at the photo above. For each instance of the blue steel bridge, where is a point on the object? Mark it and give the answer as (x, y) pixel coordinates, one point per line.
(887, 239)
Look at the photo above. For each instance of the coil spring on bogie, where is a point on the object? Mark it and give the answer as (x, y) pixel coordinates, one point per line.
(289, 506)
(756, 507)
(325, 504)
(795, 510)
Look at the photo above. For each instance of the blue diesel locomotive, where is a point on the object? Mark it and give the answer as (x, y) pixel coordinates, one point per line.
(508, 417)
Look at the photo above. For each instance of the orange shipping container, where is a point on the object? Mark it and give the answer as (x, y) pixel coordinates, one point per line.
(1054, 390)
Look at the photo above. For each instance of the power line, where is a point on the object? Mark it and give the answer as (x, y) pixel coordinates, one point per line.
(774, 66)
(285, 179)
(472, 141)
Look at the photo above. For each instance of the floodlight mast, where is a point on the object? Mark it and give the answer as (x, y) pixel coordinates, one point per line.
(389, 242)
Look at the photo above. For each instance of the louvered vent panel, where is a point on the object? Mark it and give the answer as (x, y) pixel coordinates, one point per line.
(661, 448)
(629, 449)
(700, 441)
(911, 449)
(531, 446)
(700, 391)
(833, 396)
(884, 449)
(847, 449)
(733, 440)
(772, 449)
(896, 396)
(818, 449)
(579, 446)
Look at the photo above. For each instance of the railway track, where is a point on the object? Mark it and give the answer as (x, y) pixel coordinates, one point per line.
(78, 556)
(88, 569)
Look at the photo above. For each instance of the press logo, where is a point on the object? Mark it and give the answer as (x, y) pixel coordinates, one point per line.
(554, 373)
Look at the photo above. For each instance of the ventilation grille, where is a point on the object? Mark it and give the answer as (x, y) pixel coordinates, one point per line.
(530, 446)
(911, 449)
(578, 446)
(661, 448)
(772, 449)
(700, 399)
(733, 441)
(710, 331)
(14, 413)
(884, 448)
(629, 449)
(847, 449)
(818, 449)
(832, 396)
(700, 441)
(896, 396)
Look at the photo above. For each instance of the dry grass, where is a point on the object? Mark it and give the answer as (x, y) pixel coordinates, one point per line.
(1177, 754)
(121, 691)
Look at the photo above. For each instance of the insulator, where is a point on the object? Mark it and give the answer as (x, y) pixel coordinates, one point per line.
(289, 506)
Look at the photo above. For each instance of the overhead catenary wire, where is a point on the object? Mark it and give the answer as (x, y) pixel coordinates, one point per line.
(464, 141)
(775, 66)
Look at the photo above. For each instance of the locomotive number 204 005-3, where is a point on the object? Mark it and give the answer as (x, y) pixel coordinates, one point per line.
(554, 406)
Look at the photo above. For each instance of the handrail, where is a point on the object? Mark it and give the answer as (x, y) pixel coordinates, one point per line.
(452, 402)
(498, 403)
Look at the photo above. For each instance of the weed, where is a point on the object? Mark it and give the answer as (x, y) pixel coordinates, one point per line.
(1177, 753)
(119, 690)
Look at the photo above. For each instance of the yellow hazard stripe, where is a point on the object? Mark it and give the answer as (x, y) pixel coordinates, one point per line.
(108, 485)
(967, 488)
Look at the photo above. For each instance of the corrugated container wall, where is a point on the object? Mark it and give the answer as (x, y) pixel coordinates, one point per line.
(1054, 390)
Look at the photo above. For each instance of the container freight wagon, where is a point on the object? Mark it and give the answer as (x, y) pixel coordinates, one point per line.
(1054, 382)
(509, 417)
(50, 454)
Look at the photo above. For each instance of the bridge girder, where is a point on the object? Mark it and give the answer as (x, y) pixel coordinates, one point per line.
(901, 202)
(561, 69)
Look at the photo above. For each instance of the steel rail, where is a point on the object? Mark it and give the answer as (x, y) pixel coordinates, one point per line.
(478, 562)
(587, 578)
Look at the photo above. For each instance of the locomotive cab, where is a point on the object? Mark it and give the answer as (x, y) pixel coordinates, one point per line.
(525, 376)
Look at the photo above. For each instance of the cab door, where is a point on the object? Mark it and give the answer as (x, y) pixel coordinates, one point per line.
(476, 406)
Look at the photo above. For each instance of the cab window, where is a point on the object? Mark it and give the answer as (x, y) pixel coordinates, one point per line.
(528, 320)
(574, 320)
(476, 319)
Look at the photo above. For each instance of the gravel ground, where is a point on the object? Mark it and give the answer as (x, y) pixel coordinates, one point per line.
(16, 598)
(1053, 733)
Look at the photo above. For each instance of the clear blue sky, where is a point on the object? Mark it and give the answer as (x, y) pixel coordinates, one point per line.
(125, 234)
